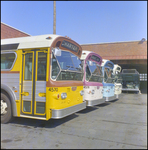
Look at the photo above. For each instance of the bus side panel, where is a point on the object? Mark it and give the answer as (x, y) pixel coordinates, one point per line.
(40, 91)
(11, 80)
(18, 62)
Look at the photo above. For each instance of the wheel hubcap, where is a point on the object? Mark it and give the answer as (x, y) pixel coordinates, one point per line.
(3, 107)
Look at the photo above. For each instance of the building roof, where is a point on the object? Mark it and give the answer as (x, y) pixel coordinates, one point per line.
(128, 50)
(119, 50)
(11, 32)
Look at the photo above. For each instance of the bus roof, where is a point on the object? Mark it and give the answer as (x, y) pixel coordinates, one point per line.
(90, 55)
(104, 61)
(85, 53)
(108, 63)
(130, 71)
(30, 41)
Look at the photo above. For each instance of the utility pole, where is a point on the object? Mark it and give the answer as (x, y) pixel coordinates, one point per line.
(54, 17)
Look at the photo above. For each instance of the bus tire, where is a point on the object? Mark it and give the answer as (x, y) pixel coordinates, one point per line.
(6, 109)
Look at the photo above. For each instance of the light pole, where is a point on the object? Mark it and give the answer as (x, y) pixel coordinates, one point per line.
(54, 17)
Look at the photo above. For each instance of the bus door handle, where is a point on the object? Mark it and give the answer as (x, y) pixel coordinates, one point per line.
(42, 94)
(25, 93)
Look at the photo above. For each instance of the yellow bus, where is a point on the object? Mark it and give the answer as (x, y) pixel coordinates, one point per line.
(41, 77)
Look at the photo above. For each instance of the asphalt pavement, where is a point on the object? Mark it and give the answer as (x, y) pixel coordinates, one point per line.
(119, 124)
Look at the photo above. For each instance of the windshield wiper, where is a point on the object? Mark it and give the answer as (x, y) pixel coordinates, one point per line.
(69, 67)
(79, 69)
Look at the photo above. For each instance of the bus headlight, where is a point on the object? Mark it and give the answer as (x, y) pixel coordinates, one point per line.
(82, 93)
(108, 90)
(93, 91)
(86, 87)
(63, 95)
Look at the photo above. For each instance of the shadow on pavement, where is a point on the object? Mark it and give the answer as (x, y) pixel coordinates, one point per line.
(103, 104)
(87, 110)
(51, 123)
(114, 100)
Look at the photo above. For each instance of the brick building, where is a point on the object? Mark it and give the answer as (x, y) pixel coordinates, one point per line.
(10, 32)
(129, 55)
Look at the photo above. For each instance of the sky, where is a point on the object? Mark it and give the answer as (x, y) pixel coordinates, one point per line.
(86, 22)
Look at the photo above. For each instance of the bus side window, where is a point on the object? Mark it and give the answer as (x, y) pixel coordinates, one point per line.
(28, 67)
(42, 61)
(7, 60)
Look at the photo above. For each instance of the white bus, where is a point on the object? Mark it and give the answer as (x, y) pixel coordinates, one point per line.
(93, 77)
(118, 80)
(108, 80)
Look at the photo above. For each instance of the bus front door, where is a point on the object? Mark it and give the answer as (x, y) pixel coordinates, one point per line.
(33, 89)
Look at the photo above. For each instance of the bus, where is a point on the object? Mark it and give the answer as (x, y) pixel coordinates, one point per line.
(118, 80)
(130, 80)
(41, 77)
(93, 77)
(108, 80)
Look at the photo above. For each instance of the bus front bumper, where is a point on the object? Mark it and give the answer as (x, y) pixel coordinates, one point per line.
(60, 113)
(118, 96)
(95, 102)
(126, 89)
(111, 98)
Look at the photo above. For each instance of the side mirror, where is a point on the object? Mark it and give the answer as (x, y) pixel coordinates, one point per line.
(57, 52)
(90, 63)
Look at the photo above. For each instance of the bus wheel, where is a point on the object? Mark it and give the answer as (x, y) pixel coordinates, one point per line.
(6, 109)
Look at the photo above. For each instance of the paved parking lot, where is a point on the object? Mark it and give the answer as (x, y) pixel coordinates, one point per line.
(117, 124)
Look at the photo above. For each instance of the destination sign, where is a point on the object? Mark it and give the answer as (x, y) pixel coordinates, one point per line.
(95, 58)
(69, 46)
(110, 65)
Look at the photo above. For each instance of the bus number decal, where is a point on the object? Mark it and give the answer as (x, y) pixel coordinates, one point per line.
(53, 89)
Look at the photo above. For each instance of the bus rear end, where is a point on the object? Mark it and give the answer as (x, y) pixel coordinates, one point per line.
(130, 80)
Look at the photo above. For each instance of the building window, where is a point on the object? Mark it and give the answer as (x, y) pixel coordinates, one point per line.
(143, 77)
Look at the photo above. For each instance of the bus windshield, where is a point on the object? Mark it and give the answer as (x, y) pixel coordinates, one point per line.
(118, 78)
(93, 72)
(66, 67)
(108, 75)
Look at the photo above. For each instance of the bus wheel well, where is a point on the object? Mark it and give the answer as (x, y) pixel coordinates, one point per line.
(6, 107)
(6, 93)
